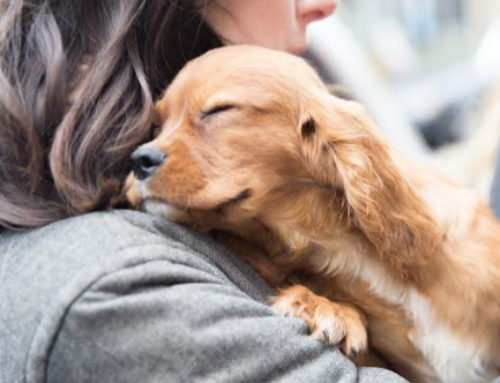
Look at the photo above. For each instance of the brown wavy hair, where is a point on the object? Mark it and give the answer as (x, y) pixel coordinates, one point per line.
(77, 84)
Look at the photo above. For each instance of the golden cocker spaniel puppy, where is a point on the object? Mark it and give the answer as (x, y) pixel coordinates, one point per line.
(252, 148)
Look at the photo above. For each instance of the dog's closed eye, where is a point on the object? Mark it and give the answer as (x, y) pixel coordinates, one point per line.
(216, 110)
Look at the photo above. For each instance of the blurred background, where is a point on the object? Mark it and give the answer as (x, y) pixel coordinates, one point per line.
(428, 71)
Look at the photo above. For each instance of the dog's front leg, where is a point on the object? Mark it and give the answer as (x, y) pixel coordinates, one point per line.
(330, 322)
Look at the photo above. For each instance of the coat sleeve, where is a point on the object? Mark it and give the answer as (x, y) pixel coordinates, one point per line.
(170, 321)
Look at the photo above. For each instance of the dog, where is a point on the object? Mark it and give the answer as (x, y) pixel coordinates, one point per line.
(360, 240)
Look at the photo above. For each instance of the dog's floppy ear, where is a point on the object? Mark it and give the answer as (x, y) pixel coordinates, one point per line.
(345, 152)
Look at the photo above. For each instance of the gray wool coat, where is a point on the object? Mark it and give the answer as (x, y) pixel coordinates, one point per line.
(122, 296)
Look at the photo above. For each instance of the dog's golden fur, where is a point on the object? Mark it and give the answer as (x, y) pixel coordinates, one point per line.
(257, 147)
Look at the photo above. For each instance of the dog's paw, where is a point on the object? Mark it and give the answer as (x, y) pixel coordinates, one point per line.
(332, 323)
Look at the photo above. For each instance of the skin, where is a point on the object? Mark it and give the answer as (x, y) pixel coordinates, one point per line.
(276, 24)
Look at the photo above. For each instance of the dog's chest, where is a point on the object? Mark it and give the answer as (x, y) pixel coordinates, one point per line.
(453, 359)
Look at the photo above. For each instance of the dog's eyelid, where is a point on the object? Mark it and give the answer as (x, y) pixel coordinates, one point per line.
(216, 109)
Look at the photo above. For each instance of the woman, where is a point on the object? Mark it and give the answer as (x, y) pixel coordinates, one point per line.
(118, 295)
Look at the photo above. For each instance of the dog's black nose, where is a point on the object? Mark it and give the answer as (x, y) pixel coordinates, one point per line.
(145, 160)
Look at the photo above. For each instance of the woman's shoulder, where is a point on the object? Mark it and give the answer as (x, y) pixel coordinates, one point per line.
(95, 243)
(44, 272)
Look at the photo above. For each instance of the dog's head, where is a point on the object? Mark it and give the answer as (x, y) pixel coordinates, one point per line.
(244, 128)
(231, 131)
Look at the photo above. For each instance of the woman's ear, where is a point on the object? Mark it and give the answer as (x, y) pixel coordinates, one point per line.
(345, 152)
